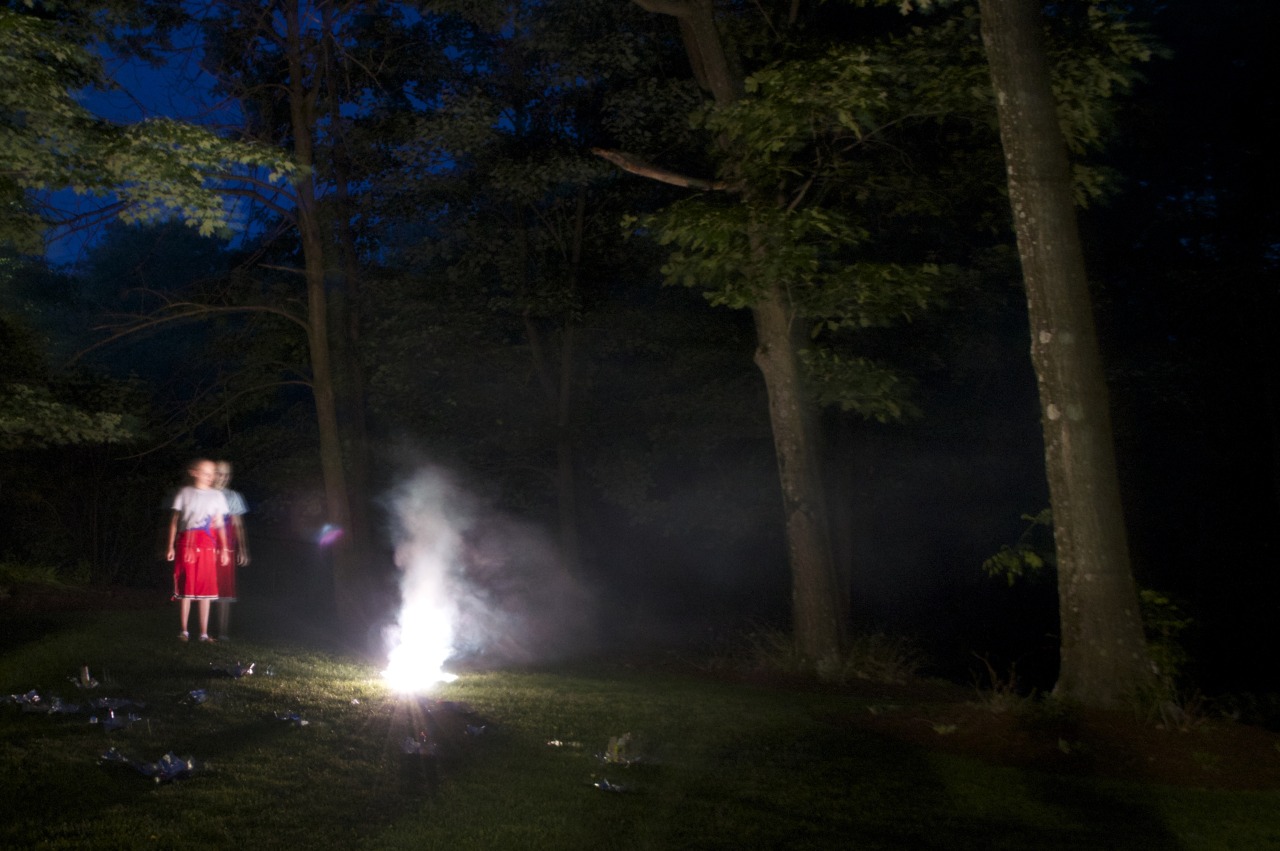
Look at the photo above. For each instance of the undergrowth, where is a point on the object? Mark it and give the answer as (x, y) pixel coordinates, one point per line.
(40, 575)
(873, 657)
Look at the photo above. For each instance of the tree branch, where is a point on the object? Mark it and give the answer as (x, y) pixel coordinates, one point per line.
(226, 405)
(635, 165)
(675, 8)
(255, 195)
(183, 311)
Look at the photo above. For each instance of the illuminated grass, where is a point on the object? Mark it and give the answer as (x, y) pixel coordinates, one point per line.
(716, 765)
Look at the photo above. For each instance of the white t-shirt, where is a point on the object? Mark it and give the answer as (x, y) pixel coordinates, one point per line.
(235, 502)
(200, 508)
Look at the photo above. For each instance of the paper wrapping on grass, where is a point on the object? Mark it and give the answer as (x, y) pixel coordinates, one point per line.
(116, 704)
(195, 697)
(112, 722)
(236, 671)
(32, 702)
(29, 702)
(293, 718)
(168, 768)
(621, 751)
(83, 680)
(605, 785)
(421, 745)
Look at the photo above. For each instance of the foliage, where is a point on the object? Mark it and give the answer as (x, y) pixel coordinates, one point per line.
(1095, 50)
(833, 153)
(513, 302)
(1029, 555)
(1165, 624)
(804, 160)
(39, 575)
(155, 169)
(1000, 692)
(30, 418)
(39, 410)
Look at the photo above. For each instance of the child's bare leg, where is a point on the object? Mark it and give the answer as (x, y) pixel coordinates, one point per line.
(204, 617)
(184, 611)
(224, 617)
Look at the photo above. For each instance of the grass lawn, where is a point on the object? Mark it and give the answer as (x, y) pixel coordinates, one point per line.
(518, 754)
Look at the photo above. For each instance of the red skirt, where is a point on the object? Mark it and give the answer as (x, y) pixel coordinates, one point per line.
(227, 572)
(195, 565)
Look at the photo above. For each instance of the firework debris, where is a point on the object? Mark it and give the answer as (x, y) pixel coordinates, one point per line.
(168, 768)
(605, 785)
(195, 697)
(112, 722)
(293, 718)
(419, 744)
(235, 671)
(83, 680)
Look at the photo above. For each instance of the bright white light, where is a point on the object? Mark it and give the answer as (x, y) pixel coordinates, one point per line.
(426, 554)
(416, 662)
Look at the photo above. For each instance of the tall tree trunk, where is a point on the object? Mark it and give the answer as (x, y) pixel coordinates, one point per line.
(553, 366)
(1104, 660)
(816, 598)
(818, 611)
(350, 384)
(567, 482)
(303, 119)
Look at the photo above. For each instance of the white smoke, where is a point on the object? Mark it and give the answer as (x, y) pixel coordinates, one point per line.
(476, 587)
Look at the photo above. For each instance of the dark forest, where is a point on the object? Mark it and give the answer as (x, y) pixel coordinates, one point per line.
(514, 263)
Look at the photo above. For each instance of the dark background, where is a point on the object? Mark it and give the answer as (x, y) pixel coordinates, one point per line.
(1183, 263)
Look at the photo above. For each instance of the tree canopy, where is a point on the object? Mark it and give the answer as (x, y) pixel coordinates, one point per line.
(49, 141)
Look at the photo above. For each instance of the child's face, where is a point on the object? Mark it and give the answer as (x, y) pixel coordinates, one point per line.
(202, 474)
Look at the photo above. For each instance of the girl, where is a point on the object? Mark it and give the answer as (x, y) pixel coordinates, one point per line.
(237, 543)
(198, 512)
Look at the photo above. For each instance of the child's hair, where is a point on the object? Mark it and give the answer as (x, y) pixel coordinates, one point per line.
(195, 462)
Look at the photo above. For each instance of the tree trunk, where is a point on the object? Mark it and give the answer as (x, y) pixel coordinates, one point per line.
(349, 374)
(1103, 654)
(566, 474)
(302, 117)
(818, 610)
(817, 613)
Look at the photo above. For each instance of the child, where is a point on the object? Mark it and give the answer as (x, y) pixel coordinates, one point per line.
(237, 544)
(198, 511)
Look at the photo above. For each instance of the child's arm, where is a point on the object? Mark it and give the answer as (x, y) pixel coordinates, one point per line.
(242, 541)
(173, 534)
(222, 541)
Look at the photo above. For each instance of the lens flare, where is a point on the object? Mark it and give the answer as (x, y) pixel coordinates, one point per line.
(328, 535)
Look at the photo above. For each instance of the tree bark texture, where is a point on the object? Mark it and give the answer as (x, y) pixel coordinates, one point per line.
(817, 602)
(349, 372)
(816, 598)
(1104, 660)
(302, 113)
(566, 473)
